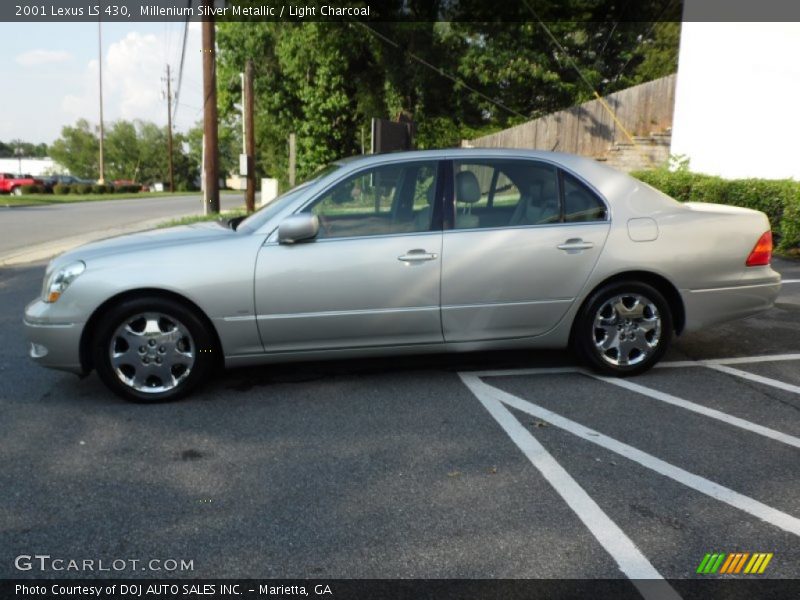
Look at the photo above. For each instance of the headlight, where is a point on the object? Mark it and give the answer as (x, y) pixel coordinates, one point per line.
(59, 280)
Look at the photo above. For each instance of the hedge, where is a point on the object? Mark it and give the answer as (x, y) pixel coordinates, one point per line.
(128, 189)
(32, 189)
(778, 198)
(61, 189)
(82, 188)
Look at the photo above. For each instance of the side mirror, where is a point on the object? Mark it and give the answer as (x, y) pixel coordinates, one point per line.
(298, 228)
(234, 222)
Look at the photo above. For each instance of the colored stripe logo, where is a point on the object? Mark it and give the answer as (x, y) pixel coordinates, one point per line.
(734, 563)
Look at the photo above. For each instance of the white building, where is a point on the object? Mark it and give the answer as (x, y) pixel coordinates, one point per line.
(31, 166)
(736, 99)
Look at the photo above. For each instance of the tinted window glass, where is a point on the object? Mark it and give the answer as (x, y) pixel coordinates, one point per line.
(580, 203)
(264, 214)
(502, 193)
(380, 201)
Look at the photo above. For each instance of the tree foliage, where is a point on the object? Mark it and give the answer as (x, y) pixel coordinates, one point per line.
(133, 150)
(22, 148)
(325, 81)
(78, 149)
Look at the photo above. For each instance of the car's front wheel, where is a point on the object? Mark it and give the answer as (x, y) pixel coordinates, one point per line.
(152, 350)
(623, 329)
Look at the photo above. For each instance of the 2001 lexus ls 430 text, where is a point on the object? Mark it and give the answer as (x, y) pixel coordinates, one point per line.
(408, 253)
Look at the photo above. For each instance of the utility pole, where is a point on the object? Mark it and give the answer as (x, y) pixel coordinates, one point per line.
(18, 152)
(250, 138)
(244, 131)
(102, 178)
(210, 123)
(169, 132)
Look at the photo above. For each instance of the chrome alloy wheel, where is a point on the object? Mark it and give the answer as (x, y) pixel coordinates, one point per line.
(627, 329)
(152, 352)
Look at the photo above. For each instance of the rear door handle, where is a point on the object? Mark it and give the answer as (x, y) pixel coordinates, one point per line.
(575, 244)
(417, 255)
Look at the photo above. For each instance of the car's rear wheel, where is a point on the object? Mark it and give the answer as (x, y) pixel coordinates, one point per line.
(152, 350)
(623, 329)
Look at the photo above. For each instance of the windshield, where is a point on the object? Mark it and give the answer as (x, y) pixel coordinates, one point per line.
(261, 216)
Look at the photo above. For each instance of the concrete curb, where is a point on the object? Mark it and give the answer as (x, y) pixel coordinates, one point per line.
(49, 249)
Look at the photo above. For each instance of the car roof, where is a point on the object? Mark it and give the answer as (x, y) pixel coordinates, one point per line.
(599, 175)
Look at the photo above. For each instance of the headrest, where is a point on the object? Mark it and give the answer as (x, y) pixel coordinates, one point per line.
(468, 190)
(541, 193)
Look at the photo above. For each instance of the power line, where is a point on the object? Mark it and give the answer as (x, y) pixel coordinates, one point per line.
(597, 95)
(441, 72)
(667, 5)
(560, 48)
(183, 57)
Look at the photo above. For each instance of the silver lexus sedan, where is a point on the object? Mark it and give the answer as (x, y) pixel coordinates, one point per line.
(409, 253)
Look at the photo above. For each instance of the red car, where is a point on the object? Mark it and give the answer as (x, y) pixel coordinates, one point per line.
(10, 184)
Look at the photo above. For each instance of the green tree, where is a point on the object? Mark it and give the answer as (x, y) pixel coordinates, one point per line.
(657, 55)
(456, 77)
(230, 146)
(78, 149)
(27, 149)
(133, 150)
(121, 150)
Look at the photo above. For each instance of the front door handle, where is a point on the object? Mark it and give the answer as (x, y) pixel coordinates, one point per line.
(417, 255)
(575, 244)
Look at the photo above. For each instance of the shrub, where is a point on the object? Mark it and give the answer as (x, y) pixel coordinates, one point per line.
(81, 188)
(779, 199)
(32, 189)
(61, 189)
(790, 226)
(99, 188)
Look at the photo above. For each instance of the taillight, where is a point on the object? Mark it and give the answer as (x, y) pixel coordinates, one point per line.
(762, 252)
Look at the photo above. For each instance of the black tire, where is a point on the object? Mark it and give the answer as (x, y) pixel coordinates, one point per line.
(640, 342)
(181, 333)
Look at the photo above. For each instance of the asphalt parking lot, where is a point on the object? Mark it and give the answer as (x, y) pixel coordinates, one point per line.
(504, 465)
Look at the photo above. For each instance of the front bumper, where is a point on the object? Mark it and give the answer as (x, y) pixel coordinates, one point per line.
(53, 344)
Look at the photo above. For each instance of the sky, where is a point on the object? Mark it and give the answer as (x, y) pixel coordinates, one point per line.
(49, 75)
(736, 99)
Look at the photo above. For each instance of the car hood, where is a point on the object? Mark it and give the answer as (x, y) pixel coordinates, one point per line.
(145, 240)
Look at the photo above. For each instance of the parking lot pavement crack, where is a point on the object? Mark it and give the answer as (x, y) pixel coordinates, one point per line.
(46, 394)
(767, 432)
(664, 520)
(762, 392)
(750, 380)
(620, 547)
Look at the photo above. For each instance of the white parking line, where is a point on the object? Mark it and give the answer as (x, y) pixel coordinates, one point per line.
(486, 393)
(535, 371)
(704, 410)
(621, 548)
(790, 280)
(757, 378)
(738, 360)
